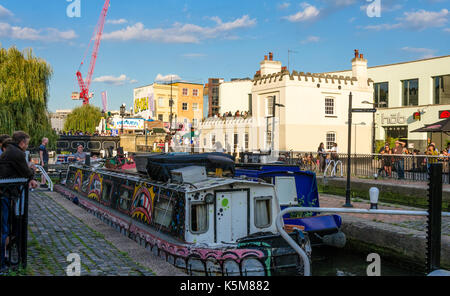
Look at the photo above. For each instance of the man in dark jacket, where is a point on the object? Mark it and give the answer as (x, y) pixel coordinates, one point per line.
(13, 165)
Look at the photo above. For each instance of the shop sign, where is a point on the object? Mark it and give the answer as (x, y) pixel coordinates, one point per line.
(393, 119)
(444, 114)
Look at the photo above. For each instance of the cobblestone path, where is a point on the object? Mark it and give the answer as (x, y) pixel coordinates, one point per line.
(54, 233)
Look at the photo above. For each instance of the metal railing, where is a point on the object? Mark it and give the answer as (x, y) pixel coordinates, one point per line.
(46, 176)
(14, 223)
(394, 166)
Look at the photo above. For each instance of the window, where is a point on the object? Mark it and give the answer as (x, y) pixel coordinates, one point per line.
(199, 217)
(246, 141)
(160, 117)
(124, 198)
(195, 106)
(411, 92)
(236, 141)
(226, 139)
(194, 121)
(269, 106)
(442, 89)
(195, 92)
(329, 106)
(185, 92)
(268, 138)
(250, 104)
(160, 102)
(331, 139)
(213, 140)
(204, 142)
(163, 212)
(106, 193)
(263, 211)
(185, 106)
(381, 94)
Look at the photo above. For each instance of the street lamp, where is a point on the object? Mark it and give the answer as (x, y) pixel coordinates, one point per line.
(122, 114)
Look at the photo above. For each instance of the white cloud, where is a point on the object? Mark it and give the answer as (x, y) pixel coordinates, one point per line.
(5, 13)
(25, 33)
(417, 21)
(283, 5)
(193, 55)
(311, 39)
(117, 22)
(309, 13)
(423, 52)
(167, 78)
(180, 33)
(121, 80)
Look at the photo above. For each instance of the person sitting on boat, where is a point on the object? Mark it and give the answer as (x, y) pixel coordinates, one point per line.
(80, 155)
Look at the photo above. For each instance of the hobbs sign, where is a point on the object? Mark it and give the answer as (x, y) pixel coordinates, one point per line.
(393, 119)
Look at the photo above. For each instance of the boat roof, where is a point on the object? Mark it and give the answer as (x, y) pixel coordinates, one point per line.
(208, 183)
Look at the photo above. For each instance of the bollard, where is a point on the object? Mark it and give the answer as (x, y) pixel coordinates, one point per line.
(374, 193)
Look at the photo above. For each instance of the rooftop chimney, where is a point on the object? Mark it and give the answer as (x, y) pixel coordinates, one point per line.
(269, 66)
(359, 68)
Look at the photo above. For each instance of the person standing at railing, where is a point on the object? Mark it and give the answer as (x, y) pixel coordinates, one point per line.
(431, 151)
(15, 166)
(43, 157)
(321, 155)
(334, 152)
(387, 159)
(399, 149)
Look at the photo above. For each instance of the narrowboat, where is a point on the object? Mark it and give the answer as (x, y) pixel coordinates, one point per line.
(201, 224)
(295, 187)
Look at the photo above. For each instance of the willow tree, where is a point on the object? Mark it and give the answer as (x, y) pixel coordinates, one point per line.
(24, 94)
(85, 118)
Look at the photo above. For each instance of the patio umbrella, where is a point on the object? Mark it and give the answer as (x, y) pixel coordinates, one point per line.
(442, 126)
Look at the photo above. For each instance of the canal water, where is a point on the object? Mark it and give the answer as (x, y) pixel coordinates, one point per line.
(328, 261)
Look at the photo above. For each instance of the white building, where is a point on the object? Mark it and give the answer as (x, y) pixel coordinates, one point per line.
(58, 119)
(235, 95)
(402, 90)
(314, 110)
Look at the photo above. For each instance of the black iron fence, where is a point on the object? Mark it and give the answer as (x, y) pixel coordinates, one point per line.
(14, 223)
(396, 166)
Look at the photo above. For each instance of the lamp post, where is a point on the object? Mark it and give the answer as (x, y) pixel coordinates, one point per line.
(122, 114)
(349, 146)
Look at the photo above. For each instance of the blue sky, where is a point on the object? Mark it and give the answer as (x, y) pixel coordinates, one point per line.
(198, 39)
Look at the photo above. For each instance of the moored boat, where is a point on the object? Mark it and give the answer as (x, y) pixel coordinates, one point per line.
(203, 225)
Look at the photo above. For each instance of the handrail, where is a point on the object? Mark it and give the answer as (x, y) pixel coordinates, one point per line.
(296, 247)
(50, 182)
(334, 169)
(326, 168)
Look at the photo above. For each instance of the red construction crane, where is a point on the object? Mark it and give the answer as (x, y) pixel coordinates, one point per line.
(84, 87)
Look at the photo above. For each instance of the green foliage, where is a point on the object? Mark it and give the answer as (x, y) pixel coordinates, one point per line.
(380, 144)
(24, 95)
(85, 118)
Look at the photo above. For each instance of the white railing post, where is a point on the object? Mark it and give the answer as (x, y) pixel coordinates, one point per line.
(50, 182)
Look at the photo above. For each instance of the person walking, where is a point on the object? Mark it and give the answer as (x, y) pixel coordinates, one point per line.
(14, 165)
(399, 149)
(321, 155)
(43, 157)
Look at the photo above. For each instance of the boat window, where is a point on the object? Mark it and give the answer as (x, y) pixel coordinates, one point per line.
(286, 190)
(70, 179)
(125, 198)
(263, 211)
(106, 193)
(199, 217)
(163, 212)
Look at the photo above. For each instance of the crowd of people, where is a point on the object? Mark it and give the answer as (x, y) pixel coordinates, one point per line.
(81, 133)
(243, 114)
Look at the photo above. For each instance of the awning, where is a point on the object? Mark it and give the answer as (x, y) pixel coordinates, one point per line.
(437, 127)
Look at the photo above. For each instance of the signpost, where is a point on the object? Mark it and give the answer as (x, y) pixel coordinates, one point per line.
(350, 111)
